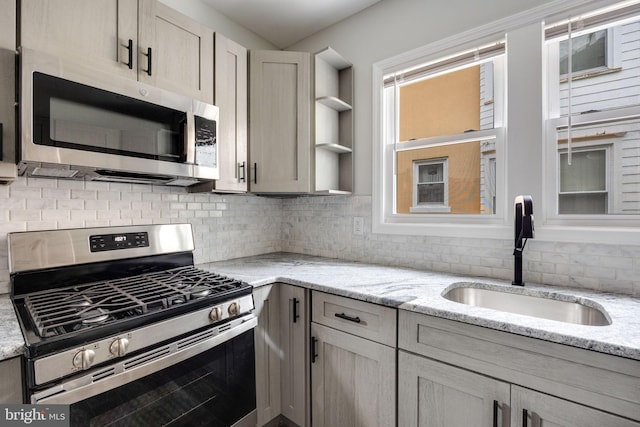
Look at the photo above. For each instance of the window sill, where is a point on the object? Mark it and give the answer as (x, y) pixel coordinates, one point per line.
(430, 209)
(589, 74)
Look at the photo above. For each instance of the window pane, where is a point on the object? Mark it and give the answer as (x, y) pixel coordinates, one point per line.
(605, 63)
(587, 171)
(606, 159)
(431, 173)
(469, 175)
(589, 52)
(431, 193)
(583, 203)
(447, 104)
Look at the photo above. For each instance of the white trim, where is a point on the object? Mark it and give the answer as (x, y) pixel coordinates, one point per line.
(620, 231)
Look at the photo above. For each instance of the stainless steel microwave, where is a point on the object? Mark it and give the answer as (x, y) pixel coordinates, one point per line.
(81, 123)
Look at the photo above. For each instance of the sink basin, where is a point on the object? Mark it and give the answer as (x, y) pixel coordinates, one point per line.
(536, 306)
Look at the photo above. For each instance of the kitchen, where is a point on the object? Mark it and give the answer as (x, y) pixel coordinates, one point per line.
(232, 226)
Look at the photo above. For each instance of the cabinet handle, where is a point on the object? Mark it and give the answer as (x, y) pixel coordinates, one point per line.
(149, 60)
(347, 317)
(524, 417)
(296, 301)
(241, 167)
(314, 355)
(255, 173)
(495, 413)
(129, 47)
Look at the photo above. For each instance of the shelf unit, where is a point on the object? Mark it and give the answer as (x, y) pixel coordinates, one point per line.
(333, 123)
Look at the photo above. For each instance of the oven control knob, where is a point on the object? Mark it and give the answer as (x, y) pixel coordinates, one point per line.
(215, 314)
(83, 359)
(234, 309)
(119, 346)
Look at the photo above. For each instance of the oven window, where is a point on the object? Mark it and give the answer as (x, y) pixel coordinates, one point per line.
(214, 388)
(71, 115)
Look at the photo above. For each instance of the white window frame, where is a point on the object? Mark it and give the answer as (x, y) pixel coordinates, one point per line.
(430, 207)
(540, 127)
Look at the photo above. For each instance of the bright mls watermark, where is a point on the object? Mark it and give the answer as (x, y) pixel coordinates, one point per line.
(34, 415)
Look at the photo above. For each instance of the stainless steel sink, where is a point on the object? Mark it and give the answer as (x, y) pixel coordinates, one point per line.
(535, 306)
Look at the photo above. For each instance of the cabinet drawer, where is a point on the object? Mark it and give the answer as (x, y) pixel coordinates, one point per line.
(605, 382)
(364, 319)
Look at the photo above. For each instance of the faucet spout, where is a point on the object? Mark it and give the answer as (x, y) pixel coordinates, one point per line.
(523, 230)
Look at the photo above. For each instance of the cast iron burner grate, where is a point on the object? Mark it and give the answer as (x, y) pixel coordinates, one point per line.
(64, 310)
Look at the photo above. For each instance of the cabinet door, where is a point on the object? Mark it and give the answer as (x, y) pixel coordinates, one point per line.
(267, 343)
(175, 52)
(7, 90)
(231, 98)
(352, 379)
(280, 122)
(11, 385)
(293, 343)
(95, 32)
(437, 395)
(534, 409)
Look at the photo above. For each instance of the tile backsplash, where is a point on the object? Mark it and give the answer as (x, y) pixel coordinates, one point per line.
(224, 226)
(232, 226)
(323, 226)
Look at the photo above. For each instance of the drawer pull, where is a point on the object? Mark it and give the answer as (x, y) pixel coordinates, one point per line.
(314, 355)
(524, 417)
(347, 317)
(296, 301)
(495, 413)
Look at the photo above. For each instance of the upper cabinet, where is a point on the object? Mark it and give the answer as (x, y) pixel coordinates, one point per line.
(301, 122)
(333, 123)
(280, 122)
(7, 90)
(140, 39)
(231, 98)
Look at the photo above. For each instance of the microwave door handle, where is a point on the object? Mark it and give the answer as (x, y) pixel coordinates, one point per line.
(190, 139)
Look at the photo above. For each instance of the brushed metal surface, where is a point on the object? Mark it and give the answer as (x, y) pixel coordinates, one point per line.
(528, 305)
(59, 364)
(35, 250)
(34, 156)
(84, 387)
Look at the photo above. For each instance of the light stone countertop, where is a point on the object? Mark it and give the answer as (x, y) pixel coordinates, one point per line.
(11, 340)
(420, 291)
(412, 290)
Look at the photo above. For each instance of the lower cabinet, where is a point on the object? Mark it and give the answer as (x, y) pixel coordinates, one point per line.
(433, 394)
(534, 409)
(453, 374)
(282, 354)
(353, 379)
(11, 384)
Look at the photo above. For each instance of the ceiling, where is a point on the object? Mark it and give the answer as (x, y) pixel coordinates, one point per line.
(285, 22)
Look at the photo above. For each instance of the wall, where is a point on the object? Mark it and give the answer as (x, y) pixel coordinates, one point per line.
(323, 226)
(224, 227)
(205, 14)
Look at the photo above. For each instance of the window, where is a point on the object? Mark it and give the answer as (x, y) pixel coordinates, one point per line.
(584, 183)
(443, 127)
(593, 130)
(430, 189)
(589, 53)
(574, 134)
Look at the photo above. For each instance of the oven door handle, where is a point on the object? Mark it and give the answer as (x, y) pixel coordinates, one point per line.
(108, 377)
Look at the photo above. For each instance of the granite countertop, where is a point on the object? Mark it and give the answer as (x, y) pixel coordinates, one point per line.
(12, 342)
(421, 291)
(418, 291)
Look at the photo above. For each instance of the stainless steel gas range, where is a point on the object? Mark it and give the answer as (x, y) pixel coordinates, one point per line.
(120, 325)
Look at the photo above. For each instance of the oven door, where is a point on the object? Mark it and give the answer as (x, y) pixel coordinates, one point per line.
(204, 382)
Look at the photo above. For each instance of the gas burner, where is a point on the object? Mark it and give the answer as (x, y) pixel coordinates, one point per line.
(93, 317)
(199, 291)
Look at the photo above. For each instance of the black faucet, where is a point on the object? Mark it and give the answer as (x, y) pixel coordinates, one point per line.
(523, 230)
